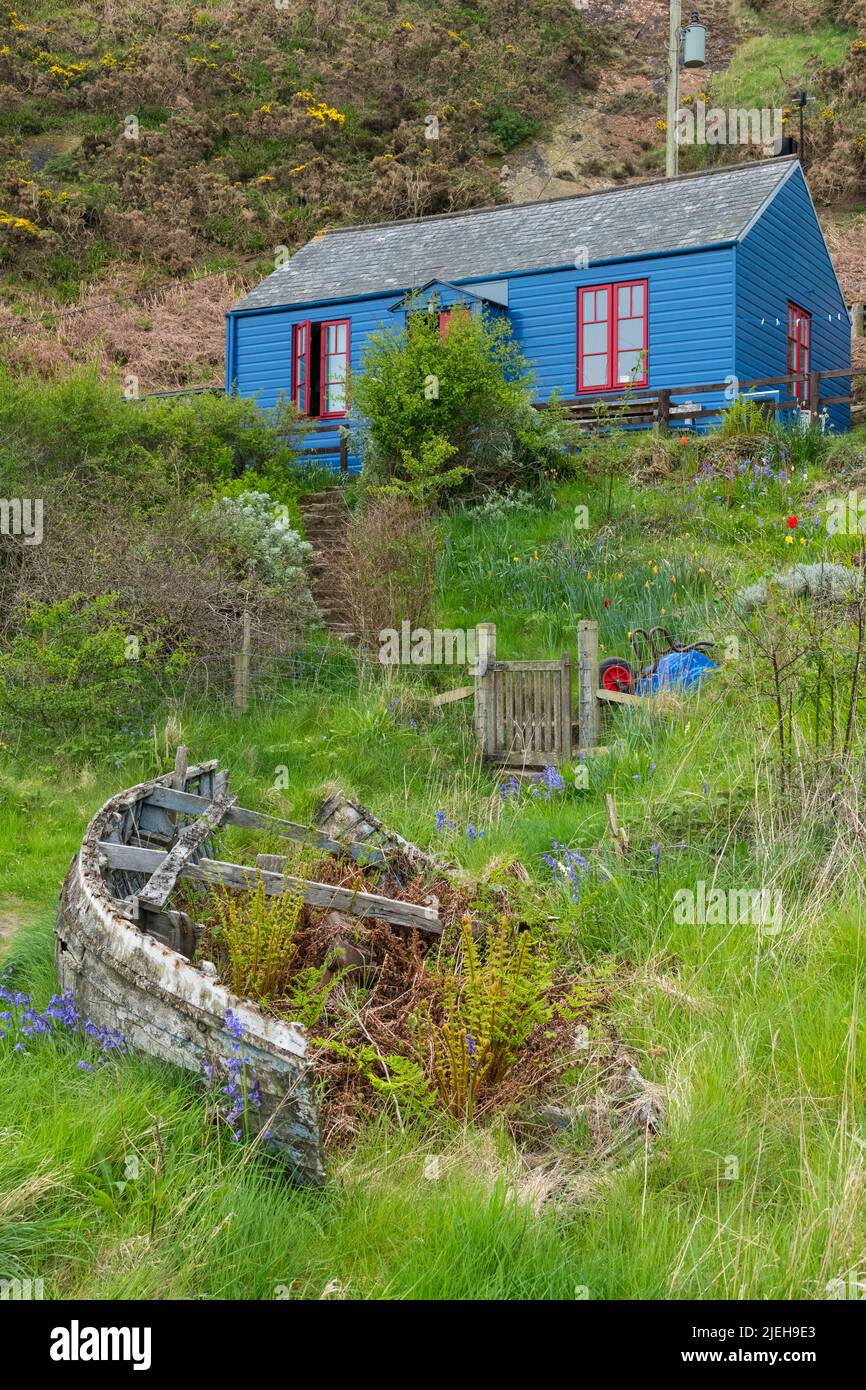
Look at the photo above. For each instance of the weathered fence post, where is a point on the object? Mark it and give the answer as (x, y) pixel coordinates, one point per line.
(181, 762)
(858, 320)
(565, 691)
(587, 683)
(814, 393)
(663, 409)
(242, 670)
(485, 657)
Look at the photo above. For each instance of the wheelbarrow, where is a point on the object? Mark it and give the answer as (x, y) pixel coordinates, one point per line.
(657, 660)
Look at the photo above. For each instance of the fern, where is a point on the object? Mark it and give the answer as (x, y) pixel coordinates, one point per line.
(257, 931)
(487, 1010)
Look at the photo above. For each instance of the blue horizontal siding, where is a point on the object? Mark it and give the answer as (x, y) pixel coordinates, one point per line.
(260, 364)
(690, 327)
(783, 257)
(705, 312)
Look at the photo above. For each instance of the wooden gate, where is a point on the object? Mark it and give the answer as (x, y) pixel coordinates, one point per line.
(526, 712)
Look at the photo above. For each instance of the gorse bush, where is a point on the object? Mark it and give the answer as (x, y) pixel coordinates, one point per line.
(257, 122)
(452, 409)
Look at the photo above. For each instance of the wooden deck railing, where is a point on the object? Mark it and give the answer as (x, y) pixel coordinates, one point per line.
(638, 406)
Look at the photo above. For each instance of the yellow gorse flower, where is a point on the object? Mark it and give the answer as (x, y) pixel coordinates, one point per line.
(20, 224)
(319, 110)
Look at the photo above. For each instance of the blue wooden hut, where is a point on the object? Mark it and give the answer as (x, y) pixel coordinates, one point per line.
(657, 286)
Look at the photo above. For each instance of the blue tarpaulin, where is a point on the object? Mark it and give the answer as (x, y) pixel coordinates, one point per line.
(677, 669)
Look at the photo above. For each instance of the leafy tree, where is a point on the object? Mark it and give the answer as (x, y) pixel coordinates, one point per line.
(452, 409)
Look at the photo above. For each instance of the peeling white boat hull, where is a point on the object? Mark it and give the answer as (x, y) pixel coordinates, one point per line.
(124, 978)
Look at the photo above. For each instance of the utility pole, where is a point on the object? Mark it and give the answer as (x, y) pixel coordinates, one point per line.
(673, 86)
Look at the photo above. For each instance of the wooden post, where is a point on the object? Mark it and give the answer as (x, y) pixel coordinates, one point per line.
(587, 683)
(858, 320)
(565, 665)
(663, 409)
(673, 90)
(814, 393)
(485, 657)
(181, 762)
(242, 670)
(344, 451)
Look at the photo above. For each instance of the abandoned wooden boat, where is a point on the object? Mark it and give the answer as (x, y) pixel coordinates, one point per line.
(127, 956)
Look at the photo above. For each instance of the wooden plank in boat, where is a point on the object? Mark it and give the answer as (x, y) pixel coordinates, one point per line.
(158, 889)
(327, 895)
(166, 798)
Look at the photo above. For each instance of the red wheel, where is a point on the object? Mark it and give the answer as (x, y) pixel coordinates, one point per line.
(615, 674)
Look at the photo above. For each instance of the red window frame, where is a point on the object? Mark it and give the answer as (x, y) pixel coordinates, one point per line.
(613, 349)
(446, 316)
(798, 356)
(298, 355)
(324, 379)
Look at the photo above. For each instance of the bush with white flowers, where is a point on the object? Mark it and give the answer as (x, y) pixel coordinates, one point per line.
(259, 533)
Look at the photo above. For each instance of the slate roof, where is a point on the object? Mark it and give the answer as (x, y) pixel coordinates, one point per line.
(635, 220)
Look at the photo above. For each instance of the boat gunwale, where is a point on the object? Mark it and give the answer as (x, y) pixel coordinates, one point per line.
(96, 888)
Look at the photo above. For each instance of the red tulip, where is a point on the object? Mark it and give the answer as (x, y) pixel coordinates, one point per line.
(607, 603)
(792, 522)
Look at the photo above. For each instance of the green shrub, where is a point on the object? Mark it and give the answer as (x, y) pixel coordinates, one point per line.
(79, 676)
(442, 411)
(508, 128)
(81, 430)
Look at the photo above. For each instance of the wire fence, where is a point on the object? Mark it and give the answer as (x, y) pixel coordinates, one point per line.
(253, 678)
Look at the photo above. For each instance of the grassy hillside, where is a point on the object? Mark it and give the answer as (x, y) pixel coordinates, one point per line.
(747, 1037)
